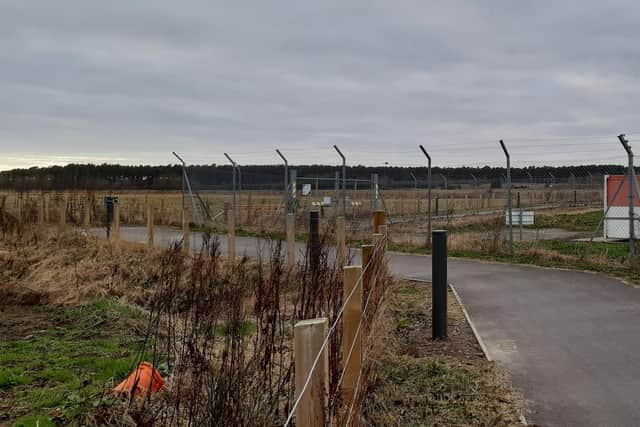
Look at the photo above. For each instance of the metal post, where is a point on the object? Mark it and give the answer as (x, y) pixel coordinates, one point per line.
(293, 187)
(506, 153)
(185, 180)
(374, 192)
(445, 181)
(530, 176)
(234, 181)
(428, 194)
(286, 182)
(520, 217)
(631, 175)
(415, 191)
(344, 181)
(372, 197)
(439, 285)
(337, 188)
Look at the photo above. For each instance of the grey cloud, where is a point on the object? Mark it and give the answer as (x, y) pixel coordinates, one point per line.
(134, 80)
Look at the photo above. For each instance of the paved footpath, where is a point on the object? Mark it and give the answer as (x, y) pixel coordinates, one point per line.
(569, 340)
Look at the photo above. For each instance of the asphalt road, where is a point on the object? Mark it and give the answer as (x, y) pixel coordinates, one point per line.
(569, 340)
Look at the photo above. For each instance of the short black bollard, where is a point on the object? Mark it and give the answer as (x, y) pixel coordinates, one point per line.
(314, 239)
(439, 284)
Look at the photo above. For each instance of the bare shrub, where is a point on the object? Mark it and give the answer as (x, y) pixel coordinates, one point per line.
(223, 331)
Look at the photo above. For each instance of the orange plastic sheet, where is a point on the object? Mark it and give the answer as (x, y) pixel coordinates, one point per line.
(145, 379)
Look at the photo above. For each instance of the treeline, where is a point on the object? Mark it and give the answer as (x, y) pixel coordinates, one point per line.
(215, 177)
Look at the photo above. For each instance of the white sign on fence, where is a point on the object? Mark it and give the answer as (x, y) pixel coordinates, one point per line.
(520, 217)
(306, 189)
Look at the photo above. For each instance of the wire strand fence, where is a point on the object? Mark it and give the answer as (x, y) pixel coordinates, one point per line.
(375, 270)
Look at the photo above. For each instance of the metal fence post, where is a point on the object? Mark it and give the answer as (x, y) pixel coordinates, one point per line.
(439, 285)
(415, 192)
(186, 233)
(291, 240)
(293, 186)
(428, 194)
(341, 245)
(374, 192)
(631, 175)
(186, 184)
(337, 189)
(520, 213)
(233, 165)
(286, 182)
(509, 204)
(231, 236)
(344, 181)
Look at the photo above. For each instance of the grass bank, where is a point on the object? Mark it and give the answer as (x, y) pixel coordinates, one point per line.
(424, 382)
(55, 362)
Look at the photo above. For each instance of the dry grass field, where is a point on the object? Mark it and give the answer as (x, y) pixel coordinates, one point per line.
(265, 208)
(80, 313)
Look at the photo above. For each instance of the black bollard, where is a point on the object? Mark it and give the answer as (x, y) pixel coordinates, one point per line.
(314, 239)
(439, 284)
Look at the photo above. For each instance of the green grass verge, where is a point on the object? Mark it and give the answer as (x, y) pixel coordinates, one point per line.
(582, 221)
(56, 375)
(425, 382)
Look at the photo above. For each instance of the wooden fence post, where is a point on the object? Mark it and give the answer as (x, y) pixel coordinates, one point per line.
(367, 253)
(46, 208)
(150, 225)
(351, 337)
(379, 218)
(41, 211)
(231, 235)
(163, 213)
(341, 243)
(291, 239)
(86, 220)
(383, 233)
(308, 337)
(226, 209)
(63, 212)
(116, 222)
(19, 207)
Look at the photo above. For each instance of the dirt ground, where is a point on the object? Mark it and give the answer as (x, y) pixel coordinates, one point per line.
(22, 321)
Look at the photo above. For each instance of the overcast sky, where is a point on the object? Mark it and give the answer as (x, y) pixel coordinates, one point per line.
(130, 81)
